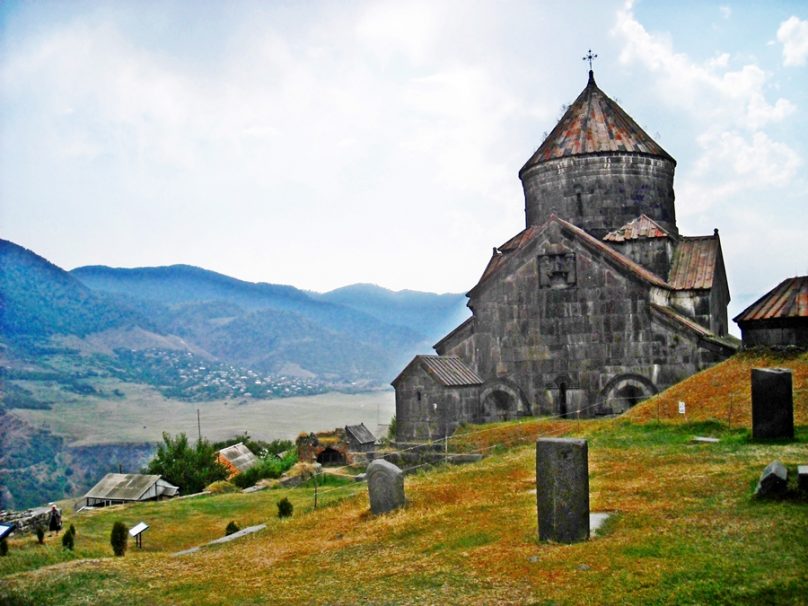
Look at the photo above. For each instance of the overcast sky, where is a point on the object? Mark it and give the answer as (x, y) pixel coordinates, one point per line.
(320, 144)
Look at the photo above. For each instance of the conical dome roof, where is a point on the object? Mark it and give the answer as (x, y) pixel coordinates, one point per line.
(595, 124)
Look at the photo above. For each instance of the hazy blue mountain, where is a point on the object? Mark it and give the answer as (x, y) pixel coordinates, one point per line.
(38, 299)
(430, 314)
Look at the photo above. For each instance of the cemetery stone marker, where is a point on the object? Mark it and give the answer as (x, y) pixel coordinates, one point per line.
(562, 489)
(385, 486)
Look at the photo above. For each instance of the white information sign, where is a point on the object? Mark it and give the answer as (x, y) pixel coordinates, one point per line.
(682, 408)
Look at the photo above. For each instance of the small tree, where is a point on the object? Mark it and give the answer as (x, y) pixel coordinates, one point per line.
(68, 539)
(231, 528)
(285, 508)
(118, 538)
(391, 429)
(3, 547)
(40, 535)
(190, 468)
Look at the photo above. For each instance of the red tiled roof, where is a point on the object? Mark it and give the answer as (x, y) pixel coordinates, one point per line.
(640, 228)
(501, 254)
(789, 299)
(595, 124)
(694, 263)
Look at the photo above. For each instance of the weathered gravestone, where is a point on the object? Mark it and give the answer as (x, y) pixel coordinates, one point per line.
(772, 403)
(802, 477)
(385, 486)
(773, 481)
(562, 489)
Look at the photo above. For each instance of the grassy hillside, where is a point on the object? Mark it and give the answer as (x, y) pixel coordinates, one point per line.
(684, 530)
(724, 392)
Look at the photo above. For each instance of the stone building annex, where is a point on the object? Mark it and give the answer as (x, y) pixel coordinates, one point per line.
(597, 304)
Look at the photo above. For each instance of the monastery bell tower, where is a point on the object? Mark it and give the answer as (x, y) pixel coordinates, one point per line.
(599, 170)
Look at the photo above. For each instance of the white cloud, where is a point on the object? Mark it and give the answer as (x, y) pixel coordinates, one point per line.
(726, 11)
(793, 35)
(733, 97)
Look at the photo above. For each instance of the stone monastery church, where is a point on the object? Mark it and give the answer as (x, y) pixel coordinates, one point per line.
(596, 305)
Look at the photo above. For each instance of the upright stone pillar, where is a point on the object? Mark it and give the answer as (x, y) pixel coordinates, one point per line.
(562, 489)
(772, 403)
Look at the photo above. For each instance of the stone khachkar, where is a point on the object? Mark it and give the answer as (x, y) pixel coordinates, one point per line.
(562, 489)
(385, 486)
(772, 403)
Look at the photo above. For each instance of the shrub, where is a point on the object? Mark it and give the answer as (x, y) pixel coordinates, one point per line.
(391, 429)
(3, 547)
(40, 535)
(189, 467)
(68, 538)
(268, 467)
(285, 508)
(231, 528)
(222, 487)
(118, 538)
(72, 530)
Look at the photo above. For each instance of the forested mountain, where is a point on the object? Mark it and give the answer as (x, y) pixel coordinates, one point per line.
(358, 335)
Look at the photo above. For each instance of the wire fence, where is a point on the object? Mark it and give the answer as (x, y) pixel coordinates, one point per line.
(359, 485)
(515, 439)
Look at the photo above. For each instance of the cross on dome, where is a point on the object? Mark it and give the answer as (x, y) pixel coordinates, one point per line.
(589, 57)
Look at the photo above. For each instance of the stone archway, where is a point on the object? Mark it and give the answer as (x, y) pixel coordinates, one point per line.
(625, 391)
(502, 400)
(330, 457)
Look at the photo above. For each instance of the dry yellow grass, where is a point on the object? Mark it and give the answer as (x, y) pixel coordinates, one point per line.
(685, 529)
(723, 392)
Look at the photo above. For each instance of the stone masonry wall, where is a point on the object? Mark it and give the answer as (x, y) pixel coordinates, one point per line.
(579, 339)
(600, 193)
(418, 419)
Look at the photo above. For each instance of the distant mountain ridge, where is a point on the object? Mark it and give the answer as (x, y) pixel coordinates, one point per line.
(356, 333)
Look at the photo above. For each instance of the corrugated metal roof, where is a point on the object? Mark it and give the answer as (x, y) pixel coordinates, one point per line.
(450, 370)
(640, 228)
(360, 433)
(239, 456)
(501, 254)
(122, 486)
(694, 263)
(789, 299)
(595, 124)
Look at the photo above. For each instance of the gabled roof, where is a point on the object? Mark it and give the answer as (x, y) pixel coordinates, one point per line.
(595, 124)
(789, 299)
(239, 456)
(640, 228)
(124, 486)
(502, 253)
(450, 371)
(360, 433)
(728, 341)
(694, 263)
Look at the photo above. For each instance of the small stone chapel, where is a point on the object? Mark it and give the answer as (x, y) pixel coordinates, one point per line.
(596, 305)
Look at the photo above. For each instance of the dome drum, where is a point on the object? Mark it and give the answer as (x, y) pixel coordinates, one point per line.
(598, 192)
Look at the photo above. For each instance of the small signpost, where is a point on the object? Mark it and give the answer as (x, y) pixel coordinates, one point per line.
(682, 408)
(137, 532)
(5, 530)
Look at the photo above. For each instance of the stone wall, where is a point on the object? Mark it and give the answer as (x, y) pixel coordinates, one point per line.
(589, 345)
(600, 193)
(776, 333)
(417, 417)
(26, 521)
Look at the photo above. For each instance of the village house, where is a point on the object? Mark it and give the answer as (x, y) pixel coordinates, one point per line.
(779, 318)
(117, 488)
